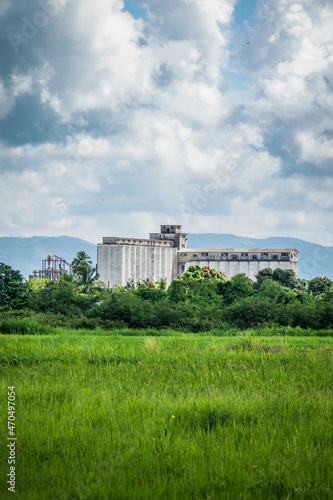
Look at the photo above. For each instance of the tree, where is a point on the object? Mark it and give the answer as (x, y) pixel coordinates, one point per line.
(149, 290)
(58, 296)
(36, 283)
(199, 273)
(87, 278)
(83, 271)
(264, 274)
(238, 287)
(286, 277)
(320, 286)
(197, 284)
(249, 311)
(274, 291)
(13, 290)
(81, 261)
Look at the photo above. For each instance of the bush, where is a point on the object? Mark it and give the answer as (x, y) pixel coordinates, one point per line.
(249, 312)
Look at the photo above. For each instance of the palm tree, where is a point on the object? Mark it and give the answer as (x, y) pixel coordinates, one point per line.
(83, 271)
(81, 261)
(87, 277)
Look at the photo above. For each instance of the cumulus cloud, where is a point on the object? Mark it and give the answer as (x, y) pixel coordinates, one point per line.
(294, 67)
(18, 85)
(112, 124)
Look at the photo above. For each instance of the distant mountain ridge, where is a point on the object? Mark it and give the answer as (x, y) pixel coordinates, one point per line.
(26, 254)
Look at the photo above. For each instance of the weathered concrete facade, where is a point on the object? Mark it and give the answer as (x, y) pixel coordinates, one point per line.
(235, 261)
(117, 264)
(122, 259)
(165, 255)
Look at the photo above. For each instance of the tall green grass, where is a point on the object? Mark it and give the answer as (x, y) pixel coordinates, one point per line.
(27, 326)
(184, 417)
(24, 327)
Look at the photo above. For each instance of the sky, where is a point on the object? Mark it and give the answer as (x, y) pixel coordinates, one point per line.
(118, 116)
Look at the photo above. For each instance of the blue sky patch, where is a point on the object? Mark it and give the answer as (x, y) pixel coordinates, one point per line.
(245, 12)
(135, 10)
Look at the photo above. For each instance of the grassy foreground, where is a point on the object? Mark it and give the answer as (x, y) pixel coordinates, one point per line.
(185, 417)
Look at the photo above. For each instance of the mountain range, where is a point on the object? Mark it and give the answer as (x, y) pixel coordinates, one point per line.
(26, 254)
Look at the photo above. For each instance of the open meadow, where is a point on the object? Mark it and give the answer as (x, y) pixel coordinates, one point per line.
(169, 417)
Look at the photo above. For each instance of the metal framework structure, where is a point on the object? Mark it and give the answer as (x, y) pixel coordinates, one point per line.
(52, 268)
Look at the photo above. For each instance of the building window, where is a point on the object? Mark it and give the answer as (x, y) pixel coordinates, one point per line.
(224, 254)
(195, 255)
(245, 254)
(285, 254)
(254, 257)
(275, 257)
(183, 267)
(204, 254)
(264, 254)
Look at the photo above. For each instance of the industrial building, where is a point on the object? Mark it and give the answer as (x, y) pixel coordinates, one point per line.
(165, 255)
(53, 267)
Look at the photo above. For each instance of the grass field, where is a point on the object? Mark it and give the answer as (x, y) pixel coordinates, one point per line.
(184, 417)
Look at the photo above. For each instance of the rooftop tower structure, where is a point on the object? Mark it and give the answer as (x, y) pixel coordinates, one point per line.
(171, 233)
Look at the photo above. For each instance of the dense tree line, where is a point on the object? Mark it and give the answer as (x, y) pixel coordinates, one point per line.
(199, 300)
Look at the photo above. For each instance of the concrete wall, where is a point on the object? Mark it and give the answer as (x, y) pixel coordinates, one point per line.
(117, 264)
(250, 268)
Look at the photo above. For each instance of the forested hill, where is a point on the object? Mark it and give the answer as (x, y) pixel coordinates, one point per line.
(26, 254)
(314, 260)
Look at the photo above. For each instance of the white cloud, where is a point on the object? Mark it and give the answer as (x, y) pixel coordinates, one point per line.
(168, 143)
(315, 148)
(292, 80)
(18, 86)
(4, 5)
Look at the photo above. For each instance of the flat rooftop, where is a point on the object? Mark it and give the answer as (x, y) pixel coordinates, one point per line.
(238, 250)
